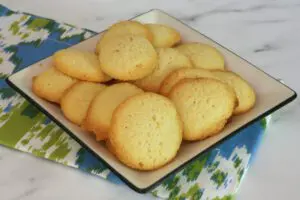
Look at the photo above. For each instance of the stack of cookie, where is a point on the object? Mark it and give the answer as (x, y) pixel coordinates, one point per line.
(143, 91)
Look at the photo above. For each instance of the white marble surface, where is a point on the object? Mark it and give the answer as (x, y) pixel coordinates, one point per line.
(265, 32)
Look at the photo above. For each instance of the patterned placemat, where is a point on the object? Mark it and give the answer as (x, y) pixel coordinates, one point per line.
(25, 39)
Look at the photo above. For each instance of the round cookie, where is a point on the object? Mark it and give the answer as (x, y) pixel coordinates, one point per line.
(180, 74)
(244, 92)
(169, 59)
(124, 28)
(128, 57)
(99, 115)
(204, 106)
(203, 55)
(75, 102)
(146, 131)
(51, 84)
(163, 36)
(79, 64)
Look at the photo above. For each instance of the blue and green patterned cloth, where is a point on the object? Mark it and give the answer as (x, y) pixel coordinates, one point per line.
(25, 39)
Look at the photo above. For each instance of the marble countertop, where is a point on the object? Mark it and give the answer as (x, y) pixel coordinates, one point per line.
(265, 32)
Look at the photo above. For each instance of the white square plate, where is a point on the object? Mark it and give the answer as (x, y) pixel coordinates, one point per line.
(271, 95)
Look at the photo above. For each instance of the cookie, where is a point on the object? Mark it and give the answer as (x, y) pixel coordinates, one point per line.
(169, 59)
(146, 131)
(51, 84)
(79, 64)
(99, 115)
(124, 28)
(163, 36)
(180, 74)
(204, 106)
(244, 92)
(75, 102)
(203, 55)
(128, 57)
(109, 147)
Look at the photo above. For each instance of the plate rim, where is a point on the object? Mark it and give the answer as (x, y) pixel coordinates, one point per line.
(156, 183)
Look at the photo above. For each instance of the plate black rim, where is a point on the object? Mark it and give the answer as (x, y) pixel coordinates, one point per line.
(156, 183)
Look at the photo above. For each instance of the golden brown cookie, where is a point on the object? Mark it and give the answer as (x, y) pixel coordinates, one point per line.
(51, 84)
(146, 131)
(244, 92)
(169, 59)
(99, 115)
(124, 28)
(204, 106)
(75, 102)
(203, 55)
(128, 57)
(180, 74)
(163, 36)
(79, 64)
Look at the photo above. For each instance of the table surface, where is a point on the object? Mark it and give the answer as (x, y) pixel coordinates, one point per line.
(265, 32)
